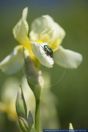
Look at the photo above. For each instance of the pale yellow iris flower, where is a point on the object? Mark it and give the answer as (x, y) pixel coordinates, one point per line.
(42, 44)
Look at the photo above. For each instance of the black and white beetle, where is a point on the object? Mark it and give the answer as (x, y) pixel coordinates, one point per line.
(48, 50)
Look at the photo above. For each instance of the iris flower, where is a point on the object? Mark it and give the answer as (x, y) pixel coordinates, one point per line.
(42, 43)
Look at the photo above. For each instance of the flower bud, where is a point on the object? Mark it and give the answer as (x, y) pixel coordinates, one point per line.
(21, 107)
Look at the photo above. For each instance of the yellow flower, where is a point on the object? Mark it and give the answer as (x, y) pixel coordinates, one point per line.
(42, 45)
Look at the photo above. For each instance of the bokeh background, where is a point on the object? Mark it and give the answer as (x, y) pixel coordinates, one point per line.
(69, 86)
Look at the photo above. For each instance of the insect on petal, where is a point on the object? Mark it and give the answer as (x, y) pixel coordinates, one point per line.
(41, 55)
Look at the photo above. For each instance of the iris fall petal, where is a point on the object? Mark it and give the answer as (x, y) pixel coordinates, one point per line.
(43, 58)
(13, 62)
(67, 58)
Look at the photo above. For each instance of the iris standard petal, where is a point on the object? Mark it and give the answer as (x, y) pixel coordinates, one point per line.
(20, 31)
(13, 62)
(67, 58)
(44, 59)
(46, 29)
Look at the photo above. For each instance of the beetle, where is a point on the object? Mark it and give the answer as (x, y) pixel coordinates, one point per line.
(48, 50)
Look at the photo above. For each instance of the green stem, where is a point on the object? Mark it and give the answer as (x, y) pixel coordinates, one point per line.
(37, 116)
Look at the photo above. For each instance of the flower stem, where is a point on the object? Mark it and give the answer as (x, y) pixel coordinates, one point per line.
(37, 115)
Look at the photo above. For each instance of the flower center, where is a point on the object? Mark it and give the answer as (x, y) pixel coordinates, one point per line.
(53, 44)
(27, 45)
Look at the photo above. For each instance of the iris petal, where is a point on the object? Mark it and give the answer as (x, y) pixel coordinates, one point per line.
(13, 62)
(20, 31)
(40, 54)
(67, 58)
(46, 29)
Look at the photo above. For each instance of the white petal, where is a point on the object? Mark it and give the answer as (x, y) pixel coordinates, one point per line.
(41, 55)
(46, 27)
(20, 31)
(67, 58)
(24, 13)
(13, 62)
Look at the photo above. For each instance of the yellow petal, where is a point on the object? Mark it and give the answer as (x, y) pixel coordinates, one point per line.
(20, 31)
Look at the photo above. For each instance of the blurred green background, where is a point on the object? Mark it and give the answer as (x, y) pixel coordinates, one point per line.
(69, 86)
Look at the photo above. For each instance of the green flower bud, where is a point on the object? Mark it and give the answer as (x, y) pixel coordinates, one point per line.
(21, 107)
